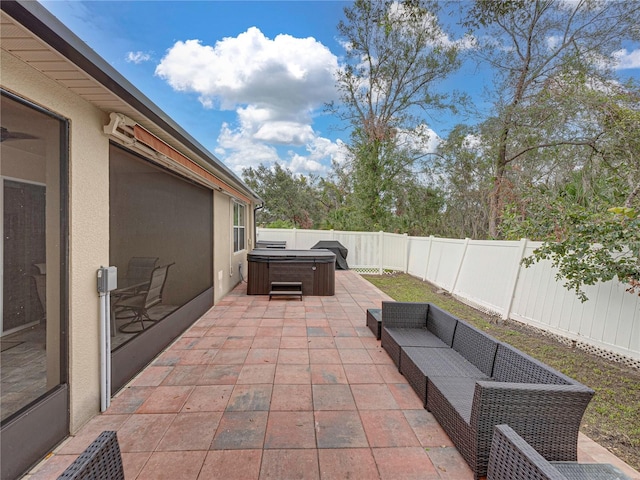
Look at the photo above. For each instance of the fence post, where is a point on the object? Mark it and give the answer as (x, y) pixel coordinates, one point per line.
(426, 264)
(515, 277)
(464, 253)
(381, 252)
(295, 239)
(406, 253)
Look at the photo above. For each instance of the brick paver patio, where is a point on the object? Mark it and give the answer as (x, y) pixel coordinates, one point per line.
(280, 389)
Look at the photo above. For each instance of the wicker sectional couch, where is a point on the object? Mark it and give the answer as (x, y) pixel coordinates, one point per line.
(472, 382)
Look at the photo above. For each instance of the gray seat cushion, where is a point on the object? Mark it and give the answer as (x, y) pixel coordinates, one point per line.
(442, 362)
(415, 337)
(458, 391)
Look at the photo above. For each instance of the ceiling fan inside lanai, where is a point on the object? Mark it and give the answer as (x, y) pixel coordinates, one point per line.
(6, 134)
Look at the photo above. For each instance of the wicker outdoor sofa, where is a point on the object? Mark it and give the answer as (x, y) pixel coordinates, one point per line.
(472, 382)
(512, 458)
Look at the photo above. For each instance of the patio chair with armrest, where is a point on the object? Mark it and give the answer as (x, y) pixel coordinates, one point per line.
(137, 277)
(139, 268)
(140, 303)
(512, 458)
(135, 280)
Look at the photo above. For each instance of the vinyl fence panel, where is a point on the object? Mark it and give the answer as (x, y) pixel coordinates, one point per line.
(489, 276)
(610, 319)
(444, 261)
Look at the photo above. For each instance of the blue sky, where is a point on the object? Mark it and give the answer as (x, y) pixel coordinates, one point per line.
(248, 80)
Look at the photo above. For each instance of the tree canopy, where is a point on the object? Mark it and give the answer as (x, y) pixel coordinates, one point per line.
(555, 158)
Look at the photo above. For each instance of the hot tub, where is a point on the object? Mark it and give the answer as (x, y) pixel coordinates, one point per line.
(314, 268)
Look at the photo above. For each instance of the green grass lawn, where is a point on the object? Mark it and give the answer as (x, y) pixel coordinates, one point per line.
(613, 416)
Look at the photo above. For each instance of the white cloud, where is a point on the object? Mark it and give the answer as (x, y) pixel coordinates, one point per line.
(400, 12)
(286, 74)
(301, 164)
(423, 139)
(625, 59)
(553, 41)
(321, 152)
(275, 86)
(269, 126)
(138, 57)
(239, 149)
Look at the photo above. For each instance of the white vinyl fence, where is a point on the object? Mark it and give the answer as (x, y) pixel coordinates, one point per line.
(489, 276)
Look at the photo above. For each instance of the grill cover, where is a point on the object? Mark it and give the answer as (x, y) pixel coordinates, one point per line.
(337, 248)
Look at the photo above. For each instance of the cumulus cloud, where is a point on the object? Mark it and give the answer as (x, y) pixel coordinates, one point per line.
(625, 59)
(266, 125)
(318, 150)
(285, 74)
(423, 139)
(275, 87)
(431, 23)
(240, 150)
(553, 41)
(138, 57)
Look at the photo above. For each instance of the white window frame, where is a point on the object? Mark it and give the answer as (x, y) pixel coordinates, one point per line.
(239, 226)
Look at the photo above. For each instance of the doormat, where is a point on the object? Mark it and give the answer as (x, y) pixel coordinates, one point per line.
(7, 344)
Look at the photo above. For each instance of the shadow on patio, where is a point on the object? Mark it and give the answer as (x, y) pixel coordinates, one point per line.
(279, 389)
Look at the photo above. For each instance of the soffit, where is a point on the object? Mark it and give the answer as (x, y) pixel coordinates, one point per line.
(22, 44)
(25, 45)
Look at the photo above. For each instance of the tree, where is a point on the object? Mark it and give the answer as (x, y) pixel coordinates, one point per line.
(591, 225)
(289, 200)
(463, 170)
(396, 55)
(538, 49)
(594, 248)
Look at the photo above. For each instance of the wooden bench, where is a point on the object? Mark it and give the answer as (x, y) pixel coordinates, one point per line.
(285, 289)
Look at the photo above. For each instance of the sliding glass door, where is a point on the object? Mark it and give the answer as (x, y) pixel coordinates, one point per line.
(33, 391)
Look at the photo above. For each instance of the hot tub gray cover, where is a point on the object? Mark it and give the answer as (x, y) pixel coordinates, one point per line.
(337, 248)
(282, 256)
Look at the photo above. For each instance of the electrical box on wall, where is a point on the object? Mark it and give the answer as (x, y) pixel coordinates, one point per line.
(107, 279)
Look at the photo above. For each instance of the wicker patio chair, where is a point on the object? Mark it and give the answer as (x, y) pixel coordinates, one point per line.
(512, 458)
(100, 461)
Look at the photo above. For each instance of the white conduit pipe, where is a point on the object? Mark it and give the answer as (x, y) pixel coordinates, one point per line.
(105, 350)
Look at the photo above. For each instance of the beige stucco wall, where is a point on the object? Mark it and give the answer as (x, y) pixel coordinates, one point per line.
(89, 229)
(88, 223)
(226, 274)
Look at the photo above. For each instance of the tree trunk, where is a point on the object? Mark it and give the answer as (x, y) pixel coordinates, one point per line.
(495, 197)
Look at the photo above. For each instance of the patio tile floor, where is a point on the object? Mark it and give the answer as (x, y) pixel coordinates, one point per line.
(280, 389)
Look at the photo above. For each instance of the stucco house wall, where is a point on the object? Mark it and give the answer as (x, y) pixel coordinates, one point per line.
(88, 226)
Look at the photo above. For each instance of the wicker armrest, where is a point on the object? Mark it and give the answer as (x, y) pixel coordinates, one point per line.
(512, 458)
(100, 460)
(404, 314)
(547, 416)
